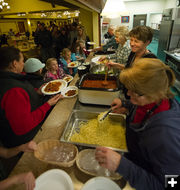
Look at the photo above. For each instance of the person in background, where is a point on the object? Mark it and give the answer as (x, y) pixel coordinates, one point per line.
(82, 46)
(78, 52)
(110, 33)
(53, 70)
(81, 35)
(27, 178)
(122, 52)
(111, 43)
(45, 42)
(33, 68)
(11, 32)
(55, 40)
(66, 59)
(27, 33)
(63, 39)
(21, 110)
(152, 127)
(72, 34)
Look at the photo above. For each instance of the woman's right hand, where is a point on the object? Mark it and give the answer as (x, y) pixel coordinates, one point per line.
(115, 65)
(116, 103)
(52, 101)
(102, 58)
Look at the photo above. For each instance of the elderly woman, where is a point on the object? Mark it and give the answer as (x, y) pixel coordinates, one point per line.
(140, 38)
(22, 109)
(152, 127)
(122, 52)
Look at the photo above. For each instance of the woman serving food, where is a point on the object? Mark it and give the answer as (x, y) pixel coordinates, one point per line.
(140, 38)
(152, 127)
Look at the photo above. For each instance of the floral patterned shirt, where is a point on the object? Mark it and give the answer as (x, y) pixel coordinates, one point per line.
(50, 76)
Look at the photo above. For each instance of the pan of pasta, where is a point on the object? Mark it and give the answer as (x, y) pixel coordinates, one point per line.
(54, 87)
(85, 129)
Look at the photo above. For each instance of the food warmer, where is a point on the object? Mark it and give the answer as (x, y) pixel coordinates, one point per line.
(98, 95)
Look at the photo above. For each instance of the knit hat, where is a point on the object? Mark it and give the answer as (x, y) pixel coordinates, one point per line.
(33, 65)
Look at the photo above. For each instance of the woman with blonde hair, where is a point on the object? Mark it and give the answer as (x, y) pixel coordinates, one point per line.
(53, 70)
(152, 127)
(81, 35)
(122, 52)
(66, 58)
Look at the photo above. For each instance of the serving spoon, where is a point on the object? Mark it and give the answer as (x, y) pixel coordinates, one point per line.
(105, 114)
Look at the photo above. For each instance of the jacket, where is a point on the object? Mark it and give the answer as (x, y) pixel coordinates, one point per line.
(153, 150)
(21, 109)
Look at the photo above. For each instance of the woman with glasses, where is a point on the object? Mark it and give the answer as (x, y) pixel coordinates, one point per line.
(152, 127)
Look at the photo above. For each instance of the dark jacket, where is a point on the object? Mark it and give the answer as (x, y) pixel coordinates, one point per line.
(154, 150)
(9, 80)
(132, 57)
(35, 80)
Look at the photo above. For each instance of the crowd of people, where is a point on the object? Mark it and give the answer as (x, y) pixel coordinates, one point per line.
(152, 130)
(53, 40)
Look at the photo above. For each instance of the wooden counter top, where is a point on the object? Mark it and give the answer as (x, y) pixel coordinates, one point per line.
(52, 129)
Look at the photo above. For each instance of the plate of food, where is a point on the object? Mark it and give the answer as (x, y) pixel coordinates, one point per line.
(91, 43)
(70, 92)
(68, 78)
(54, 87)
(73, 64)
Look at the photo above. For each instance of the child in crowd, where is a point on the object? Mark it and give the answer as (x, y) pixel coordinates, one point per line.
(33, 68)
(66, 58)
(83, 47)
(53, 70)
(78, 52)
(27, 178)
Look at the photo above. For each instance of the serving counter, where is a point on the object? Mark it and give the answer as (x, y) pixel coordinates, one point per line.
(52, 129)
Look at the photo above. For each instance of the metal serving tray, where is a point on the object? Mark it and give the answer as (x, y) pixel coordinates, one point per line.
(78, 116)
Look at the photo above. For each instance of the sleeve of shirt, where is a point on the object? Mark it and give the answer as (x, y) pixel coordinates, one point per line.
(138, 177)
(17, 107)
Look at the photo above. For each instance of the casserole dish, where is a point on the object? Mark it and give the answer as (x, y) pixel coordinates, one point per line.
(98, 94)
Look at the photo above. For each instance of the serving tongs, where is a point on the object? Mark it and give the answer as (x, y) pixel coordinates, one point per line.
(105, 115)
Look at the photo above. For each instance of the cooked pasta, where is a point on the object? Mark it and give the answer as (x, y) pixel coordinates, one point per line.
(106, 133)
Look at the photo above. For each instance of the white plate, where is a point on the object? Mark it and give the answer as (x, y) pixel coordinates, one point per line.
(177, 54)
(67, 89)
(73, 64)
(68, 78)
(63, 85)
(54, 179)
(96, 59)
(91, 43)
(100, 183)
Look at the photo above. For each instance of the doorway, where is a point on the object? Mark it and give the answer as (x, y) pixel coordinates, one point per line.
(139, 20)
(21, 27)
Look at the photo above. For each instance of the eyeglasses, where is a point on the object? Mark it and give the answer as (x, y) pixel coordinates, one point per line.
(135, 93)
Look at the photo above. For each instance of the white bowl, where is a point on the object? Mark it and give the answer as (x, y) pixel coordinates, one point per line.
(100, 183)
(67, 89)
(54, 179)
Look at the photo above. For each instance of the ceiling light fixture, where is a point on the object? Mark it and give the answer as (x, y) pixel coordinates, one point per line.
(114, 9)
(4, 5)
